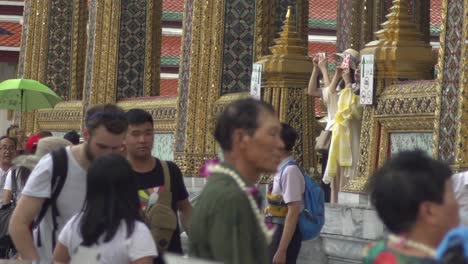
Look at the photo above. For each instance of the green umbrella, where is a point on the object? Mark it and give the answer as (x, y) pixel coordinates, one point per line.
(26, 95)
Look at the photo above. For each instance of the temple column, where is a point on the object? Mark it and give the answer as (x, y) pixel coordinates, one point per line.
(123, 53)
(52, 49)
(200, 85)
(222, 40)
(285, 77)
(451, 133)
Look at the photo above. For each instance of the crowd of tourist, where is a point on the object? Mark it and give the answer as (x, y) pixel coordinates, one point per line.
(102, 197)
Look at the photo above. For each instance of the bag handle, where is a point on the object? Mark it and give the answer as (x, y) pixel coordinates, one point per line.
(167, 175)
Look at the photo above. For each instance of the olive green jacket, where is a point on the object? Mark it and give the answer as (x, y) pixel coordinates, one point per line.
(224, 227)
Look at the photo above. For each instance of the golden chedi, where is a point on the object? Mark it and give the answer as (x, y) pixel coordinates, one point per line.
(399, 49)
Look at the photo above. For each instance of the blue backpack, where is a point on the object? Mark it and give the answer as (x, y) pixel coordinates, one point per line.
(312, 217)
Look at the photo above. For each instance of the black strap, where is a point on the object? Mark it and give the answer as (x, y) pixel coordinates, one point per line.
(59, 175)
(18, 175)
(14, 184)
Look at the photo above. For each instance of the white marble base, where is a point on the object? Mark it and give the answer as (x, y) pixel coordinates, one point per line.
(347, 230)
(353, 198)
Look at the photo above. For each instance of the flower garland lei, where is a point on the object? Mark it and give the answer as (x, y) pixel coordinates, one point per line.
(253, 205)
(401, 241)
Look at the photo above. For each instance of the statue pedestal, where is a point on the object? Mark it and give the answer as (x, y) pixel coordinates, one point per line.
(348, 229)
(353, 198)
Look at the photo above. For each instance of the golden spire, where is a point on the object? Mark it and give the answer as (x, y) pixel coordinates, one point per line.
(289, 54)
(399, 48)
(400, 26)
(289, 41)
(288, 13)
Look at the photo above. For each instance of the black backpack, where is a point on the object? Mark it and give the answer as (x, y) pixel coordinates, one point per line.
(59, 176)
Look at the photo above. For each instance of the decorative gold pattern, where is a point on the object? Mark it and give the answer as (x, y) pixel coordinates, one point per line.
(355, 25)
(397, 99)
(400, 124)
(368, 152)
(264, 28)
(163, 111)
(399, 51)
(65, 116)
(204, 84)
(35, 52)
(368, 14)
(407, 107)
(215, 81)
(153, 48)
(78, 57)
(440, 66)
(104, 67)
(461, 153)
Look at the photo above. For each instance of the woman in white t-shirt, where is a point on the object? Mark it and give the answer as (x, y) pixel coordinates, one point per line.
(109, 229)
(329, 95)
(344, 78)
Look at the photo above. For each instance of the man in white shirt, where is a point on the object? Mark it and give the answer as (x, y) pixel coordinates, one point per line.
(290, 184)
(105, 130)
(460, 187)
(7, 154)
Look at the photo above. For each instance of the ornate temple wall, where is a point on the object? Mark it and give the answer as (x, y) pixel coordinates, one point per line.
(53, 48)
(90, 54)
(450, 131)
(109, 52)
(358, 20)
(424, 114)
(225, 39)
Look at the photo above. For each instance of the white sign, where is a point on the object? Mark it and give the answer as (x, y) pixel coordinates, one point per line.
(256, 81)
(367, 80)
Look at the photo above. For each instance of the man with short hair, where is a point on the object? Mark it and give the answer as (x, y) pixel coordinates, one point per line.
(289, 185)
(104, 133)
(149, 172)
(227, 225)
(73, 137)
(7, 154)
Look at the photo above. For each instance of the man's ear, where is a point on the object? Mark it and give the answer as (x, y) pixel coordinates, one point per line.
(426, 212)
(239, 137)
(85, 134)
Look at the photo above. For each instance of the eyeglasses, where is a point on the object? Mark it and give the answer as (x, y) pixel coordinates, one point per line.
(8, 148)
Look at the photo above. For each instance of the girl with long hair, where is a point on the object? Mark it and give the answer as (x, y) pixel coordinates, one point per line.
(109, 228)
(343, 120)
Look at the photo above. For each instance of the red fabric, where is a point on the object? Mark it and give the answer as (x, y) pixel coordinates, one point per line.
(31, 143)
(386, 258)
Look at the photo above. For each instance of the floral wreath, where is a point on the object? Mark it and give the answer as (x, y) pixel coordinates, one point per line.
(213, 166)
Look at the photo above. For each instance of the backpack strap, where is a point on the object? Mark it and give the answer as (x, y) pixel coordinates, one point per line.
(165, 197)
(14, 184)
(289, 163)
(167, 175)
(18, 175)
(15, 173)
(59, 175)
